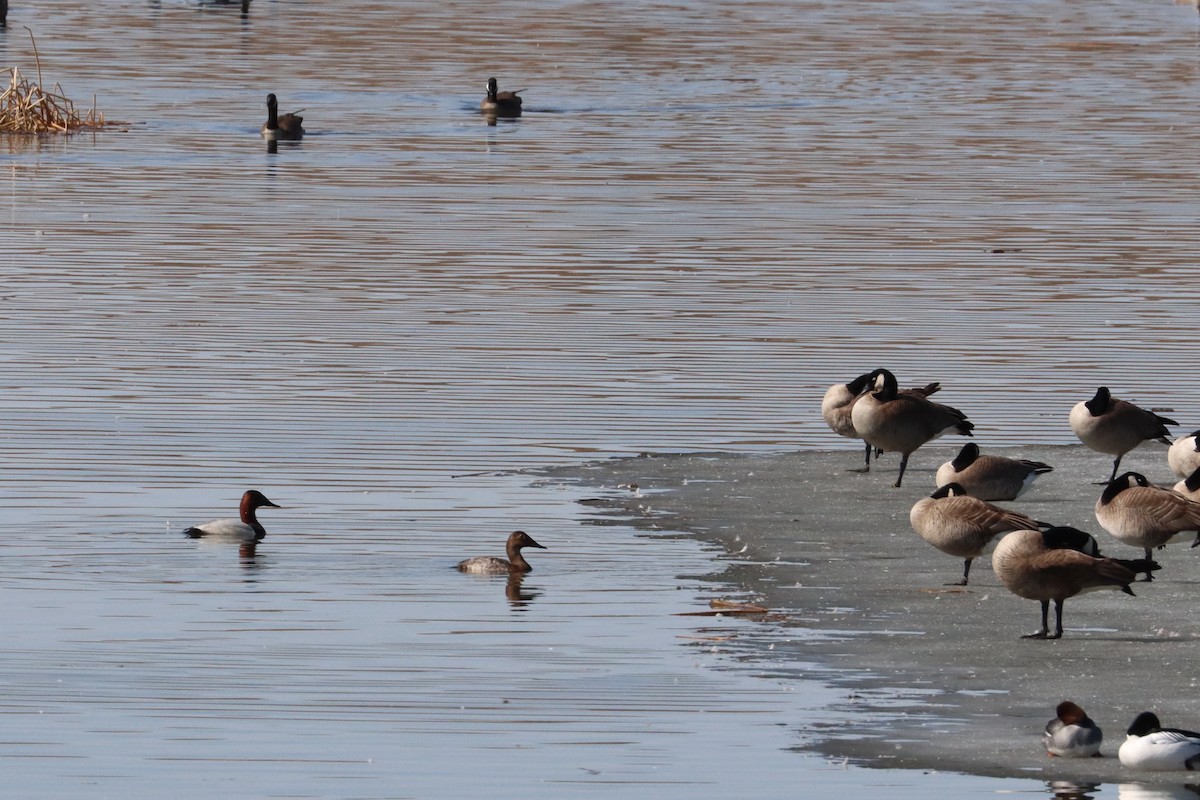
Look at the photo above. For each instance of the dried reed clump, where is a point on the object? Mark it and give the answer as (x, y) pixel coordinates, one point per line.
(27, 108)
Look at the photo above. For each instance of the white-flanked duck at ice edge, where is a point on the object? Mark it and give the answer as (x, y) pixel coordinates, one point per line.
(963, 526)
(515, 563)
(1150, 746)
(839, 400)
(245, 530)
(1112, 426)
(1058, 563)
(1072, 734)
(894, 422)
(990, 477)
(1145, 516)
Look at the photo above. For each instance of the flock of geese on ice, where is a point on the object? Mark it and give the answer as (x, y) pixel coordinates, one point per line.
(1033, 559)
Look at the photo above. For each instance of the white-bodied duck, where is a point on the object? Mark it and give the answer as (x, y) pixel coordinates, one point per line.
(1150, 746)
(245, 530)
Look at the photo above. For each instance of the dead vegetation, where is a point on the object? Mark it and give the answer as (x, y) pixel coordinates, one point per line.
(27, 107)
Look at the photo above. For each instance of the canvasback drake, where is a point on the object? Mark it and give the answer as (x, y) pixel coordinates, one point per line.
(500, 104)
(1072, 734)
(1145, 516)
(892, 421)
(1150, 746)
(963, 526)
(1058, 563)
(515, 563)
(1184, 456)
(839, 400)
(247, 529)
(990, 477)
(287, 127)
(1112, 426)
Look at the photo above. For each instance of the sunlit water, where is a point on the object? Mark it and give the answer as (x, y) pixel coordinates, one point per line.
(709, 212)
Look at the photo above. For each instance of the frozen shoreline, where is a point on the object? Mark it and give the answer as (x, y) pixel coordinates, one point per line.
(937, 677)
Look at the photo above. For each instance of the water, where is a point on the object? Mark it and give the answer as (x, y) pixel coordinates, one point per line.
(709, 212)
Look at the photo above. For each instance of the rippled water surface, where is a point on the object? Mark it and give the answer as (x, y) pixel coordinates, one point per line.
(708, 213)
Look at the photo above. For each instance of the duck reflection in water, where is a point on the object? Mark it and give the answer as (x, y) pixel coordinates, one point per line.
(518, 597)
(1158, 791)
(1072, 790)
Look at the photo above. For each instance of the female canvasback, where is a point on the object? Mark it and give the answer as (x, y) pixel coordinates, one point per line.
(1058, 563)
(1112, 426)
(892, 421)
(1072, 734)
(287, 127)
(1145, 516)
(1150, 746)
(990, 477)
(490, 565)
(963, 526)
(500, 104)
(246, 529)
(839, 400)
(1184, 456)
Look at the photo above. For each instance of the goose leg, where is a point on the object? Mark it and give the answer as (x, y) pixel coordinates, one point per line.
(866, 467)
(966, 573)
(903, 464)
(1044, 632)
(1058, 604)
(1149, 576)
(1116, 464)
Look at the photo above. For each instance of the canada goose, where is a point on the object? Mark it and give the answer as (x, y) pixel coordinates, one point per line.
(839, 401)
(1108, 425)
(246, 529)
(963, 526)
(1184, 456)
(1058, 563)
(287, 127)
(1150, 746)
(1072, 734)
(990, 477)
(500, 104)
(892, 421)
(1189, 487)
(1145, 516)
(490, 565)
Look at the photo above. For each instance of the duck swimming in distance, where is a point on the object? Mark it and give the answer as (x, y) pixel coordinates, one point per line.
(515, 563)
(500, 104)
(288, 127)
